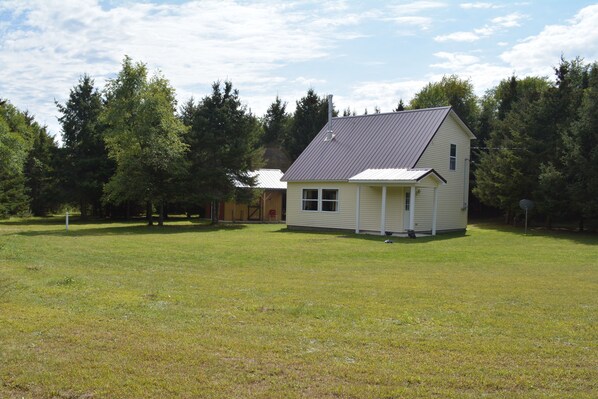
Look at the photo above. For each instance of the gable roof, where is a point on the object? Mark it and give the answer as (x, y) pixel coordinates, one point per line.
(265, 179)
(393, 140)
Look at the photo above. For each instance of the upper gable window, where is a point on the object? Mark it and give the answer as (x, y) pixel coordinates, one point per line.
(453, 157)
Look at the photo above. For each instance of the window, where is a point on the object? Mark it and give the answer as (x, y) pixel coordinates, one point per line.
(310, 200)
(324, 200)
(407, 200)
(329, 200)
(453, 157)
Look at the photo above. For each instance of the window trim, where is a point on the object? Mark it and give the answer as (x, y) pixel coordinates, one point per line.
(452, 158)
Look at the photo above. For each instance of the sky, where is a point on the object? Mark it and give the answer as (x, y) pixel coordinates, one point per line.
(366, 53)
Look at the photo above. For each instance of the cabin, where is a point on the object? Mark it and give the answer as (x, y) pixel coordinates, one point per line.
(268, 205)
(391, 173)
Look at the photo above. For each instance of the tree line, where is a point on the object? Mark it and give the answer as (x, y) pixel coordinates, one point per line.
(128, 149)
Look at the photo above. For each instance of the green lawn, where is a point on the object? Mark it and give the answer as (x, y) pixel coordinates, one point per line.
(128, 311)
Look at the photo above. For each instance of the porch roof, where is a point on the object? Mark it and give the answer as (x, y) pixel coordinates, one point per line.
(395, 176)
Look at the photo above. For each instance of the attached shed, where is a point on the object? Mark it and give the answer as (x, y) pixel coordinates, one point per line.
(269, 206)
(390, 172)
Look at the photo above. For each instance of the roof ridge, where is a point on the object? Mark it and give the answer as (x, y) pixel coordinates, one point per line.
(393, 112)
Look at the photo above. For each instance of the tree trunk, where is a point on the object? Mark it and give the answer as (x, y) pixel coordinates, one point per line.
(149, 213)
(548, 222)
(83, 208)
(215, 211)
(508, 217)
(128, 210)
(161, 214)
(581, 223)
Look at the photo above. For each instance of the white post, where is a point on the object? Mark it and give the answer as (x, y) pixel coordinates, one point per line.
(67, 220)
(357, 209)
(434, 210)
(412, 208)
(383, 213)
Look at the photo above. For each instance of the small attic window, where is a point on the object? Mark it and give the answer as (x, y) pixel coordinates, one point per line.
(453, 157)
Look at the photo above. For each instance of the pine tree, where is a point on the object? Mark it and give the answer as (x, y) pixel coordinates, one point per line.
(40, 173)
(311, 114)
(223, 145)
(86, 167)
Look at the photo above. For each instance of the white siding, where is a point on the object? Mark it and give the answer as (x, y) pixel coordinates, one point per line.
(343, 219)
(370, 207)
(451, 214)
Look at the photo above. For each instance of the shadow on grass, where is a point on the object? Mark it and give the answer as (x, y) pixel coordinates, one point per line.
(135, 228)
(586, 238)
(378, 238)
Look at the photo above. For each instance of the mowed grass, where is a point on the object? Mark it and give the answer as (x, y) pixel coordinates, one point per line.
(122, 310)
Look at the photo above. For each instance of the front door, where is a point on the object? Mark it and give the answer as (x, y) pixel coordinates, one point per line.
(406, 211)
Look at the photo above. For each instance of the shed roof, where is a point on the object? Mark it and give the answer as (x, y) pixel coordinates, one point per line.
(379, 141)
(266, 179)
(395, 175)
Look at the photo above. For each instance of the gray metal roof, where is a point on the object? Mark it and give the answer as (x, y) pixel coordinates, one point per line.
(379, 141)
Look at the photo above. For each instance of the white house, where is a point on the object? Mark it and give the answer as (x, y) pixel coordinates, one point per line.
(390, 172)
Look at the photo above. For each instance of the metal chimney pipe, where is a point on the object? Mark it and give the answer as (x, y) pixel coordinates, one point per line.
(330, 113)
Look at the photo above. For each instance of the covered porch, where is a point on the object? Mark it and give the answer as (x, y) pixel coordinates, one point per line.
(399, 188)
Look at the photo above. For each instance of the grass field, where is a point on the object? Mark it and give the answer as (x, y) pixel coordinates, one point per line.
(128, 311)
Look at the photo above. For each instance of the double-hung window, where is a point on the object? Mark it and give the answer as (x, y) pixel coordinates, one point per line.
(323, 200)
(329, 200)
(310, 200)
(453, 157)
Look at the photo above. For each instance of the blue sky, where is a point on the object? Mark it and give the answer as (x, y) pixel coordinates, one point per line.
(367, 54)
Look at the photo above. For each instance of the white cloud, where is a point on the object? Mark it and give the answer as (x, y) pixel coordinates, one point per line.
(496, 24)
(421, 22)
(537, 54)
(308, 82)
(468, 6)
(508, 21)
(50, 43)
(458, 37)
(407, 14)
(454, 61)
(417, 7)
(384, 95)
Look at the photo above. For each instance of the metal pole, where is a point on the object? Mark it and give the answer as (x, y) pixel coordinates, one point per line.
(525, 221)
(67, 220)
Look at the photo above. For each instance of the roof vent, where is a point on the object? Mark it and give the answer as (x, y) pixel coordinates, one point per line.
(329, 136)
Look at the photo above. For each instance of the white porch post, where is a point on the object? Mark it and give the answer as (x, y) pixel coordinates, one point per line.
(357, 209)
(434, 211)
(383, 213)
(412, 208)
